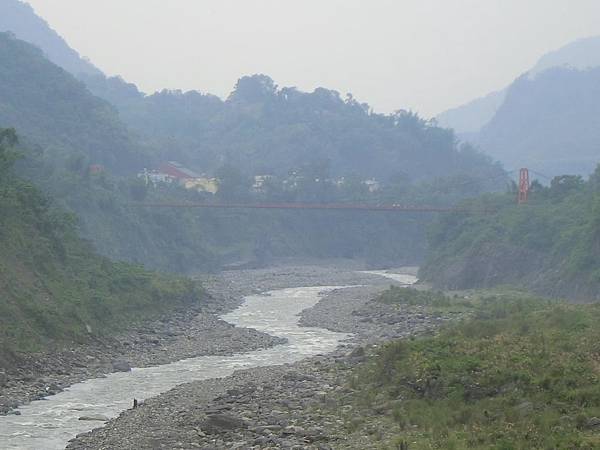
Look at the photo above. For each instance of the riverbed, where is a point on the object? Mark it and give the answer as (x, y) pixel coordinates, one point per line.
(51, 423)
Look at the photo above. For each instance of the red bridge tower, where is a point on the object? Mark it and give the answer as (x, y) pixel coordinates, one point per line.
(523, 186)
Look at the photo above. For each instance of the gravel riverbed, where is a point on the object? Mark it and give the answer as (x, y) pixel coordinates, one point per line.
(180, 335)
(289, 406)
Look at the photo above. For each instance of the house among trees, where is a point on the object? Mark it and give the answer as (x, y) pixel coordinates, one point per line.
(172, 171)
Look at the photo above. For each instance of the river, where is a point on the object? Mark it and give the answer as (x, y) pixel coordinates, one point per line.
(50, 423)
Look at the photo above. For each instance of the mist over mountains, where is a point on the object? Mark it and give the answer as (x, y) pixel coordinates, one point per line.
(86, 140)
(470, 118)
(545, 119)
(261, 127)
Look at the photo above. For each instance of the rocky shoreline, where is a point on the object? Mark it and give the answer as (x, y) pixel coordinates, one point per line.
(180, 335)
(292, 406)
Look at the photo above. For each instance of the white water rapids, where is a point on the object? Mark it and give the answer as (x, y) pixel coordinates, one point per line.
(50, 423)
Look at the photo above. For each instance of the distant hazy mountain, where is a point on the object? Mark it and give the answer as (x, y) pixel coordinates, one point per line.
(20, 19)
(581, 54)
(550, 123)
(471, 117)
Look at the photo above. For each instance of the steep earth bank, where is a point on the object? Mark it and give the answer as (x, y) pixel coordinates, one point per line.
(491, 265)
(292, 406)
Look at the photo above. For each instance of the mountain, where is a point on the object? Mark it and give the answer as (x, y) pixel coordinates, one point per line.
(471, 117)
(20, 19)
(468, 119)
(260, 127)
(57, 113)
(550, 123)
(581, 54)
(265, 129)
(320, 148)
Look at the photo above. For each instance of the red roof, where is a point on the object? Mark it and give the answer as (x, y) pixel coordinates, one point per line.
(176, 170)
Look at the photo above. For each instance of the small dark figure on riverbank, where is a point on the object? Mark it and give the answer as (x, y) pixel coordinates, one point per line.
(135, 403)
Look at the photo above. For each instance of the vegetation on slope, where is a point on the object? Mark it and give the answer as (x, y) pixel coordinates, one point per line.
(53, 287)
(519, 373)
(551, 244)
(265, 129)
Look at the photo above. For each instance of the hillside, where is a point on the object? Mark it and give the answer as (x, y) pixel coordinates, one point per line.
(54, 287)
(551, 244)
(550, 123)
(58, 114)
(265, 129)
(20, 19)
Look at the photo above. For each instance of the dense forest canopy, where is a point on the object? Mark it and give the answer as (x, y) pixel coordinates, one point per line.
(264, 129)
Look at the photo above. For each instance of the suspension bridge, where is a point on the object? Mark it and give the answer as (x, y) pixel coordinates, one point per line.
(311, 206)
(522, 198)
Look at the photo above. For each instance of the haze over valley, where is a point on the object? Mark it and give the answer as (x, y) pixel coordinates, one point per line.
(227, 247)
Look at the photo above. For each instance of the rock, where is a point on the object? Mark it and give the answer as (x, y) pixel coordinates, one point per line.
(121, 366)
(217, 423)
(94, 418)
(593, 424)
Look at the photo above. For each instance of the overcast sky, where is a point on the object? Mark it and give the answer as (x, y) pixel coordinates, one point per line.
(425, 55)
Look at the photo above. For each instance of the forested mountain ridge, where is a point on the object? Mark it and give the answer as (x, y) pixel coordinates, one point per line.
(265, 129)
(59, 115)
(20, 19)
(551, 244)
(260, 127)
(550, 123)
(53, 287)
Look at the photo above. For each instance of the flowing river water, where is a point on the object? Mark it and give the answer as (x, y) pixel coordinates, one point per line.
(50, 423)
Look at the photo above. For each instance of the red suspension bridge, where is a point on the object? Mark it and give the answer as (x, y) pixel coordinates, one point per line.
(523, 193)
(309, 206)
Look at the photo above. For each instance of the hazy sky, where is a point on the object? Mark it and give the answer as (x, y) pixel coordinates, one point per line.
(425, 55)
